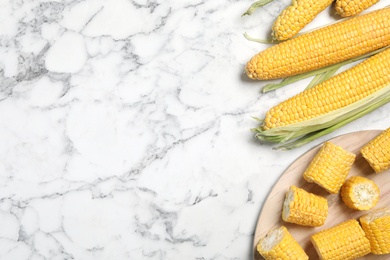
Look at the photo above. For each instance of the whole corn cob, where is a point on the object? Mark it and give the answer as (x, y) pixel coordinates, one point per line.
(279, 244)
(377, 152)
(320, 48)
(344, 241)
(296, 16)
(347, 95)
(376, 225)
(330, 167)
(347, 8)
(360, 193)
(304, 208)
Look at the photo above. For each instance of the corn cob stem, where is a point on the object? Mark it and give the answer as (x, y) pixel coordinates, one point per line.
(265, 41)
(256, 5)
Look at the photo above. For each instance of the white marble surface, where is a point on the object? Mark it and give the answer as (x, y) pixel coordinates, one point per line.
(124, 129)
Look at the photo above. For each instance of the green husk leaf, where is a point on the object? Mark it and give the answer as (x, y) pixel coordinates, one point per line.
(289, 132)
(292, 79)
(265, 41)
(258, 119)
(256, 5)
(319, 78)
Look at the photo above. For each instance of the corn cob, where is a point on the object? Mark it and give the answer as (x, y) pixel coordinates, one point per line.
(360, 193)
(377, 152)
(347, 8)
(376, 225)
(344, 241)
(337, 92)
(296, 16)
(304, 208)
(320, 48)
(330, 167)
(279, 244)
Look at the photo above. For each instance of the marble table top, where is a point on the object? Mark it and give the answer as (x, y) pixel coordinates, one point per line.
(125, 128)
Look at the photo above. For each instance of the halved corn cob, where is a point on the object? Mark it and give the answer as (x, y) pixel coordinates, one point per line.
(320, 48)
(296, 16)
(376, 225)
(304, 208)
(330, 167)
(377, 152)
(347, 8)
(279, 244)
(360, 193)
(344, 241)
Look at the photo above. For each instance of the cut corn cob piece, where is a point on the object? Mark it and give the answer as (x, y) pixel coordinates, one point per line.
(344, 241)
(323, 47)
(347, 8)
(376, 225)
(304, 208)
(377, 152)
(279, 244)
(360, 193)
(330, 167)
(296, 16)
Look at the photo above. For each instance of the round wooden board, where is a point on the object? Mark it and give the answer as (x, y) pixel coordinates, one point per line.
(270, 215)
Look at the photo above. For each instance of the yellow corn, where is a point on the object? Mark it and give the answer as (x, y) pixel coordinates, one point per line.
(377, 152)
(304, 208)
(279, 244)
(330, 167)
(344, 241)
(296, 16)
(360, 193)
(337, 92)
(347, 8)
(376, 225)
(320, 48)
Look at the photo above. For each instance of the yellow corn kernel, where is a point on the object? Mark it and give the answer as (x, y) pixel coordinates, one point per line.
(376, 225)
(377, 152)
(304, 208)
(320, 48)
(330, 167)
(360, 193)
(279, 244)
(337, 92)
(347, 8)
(344, 241)
(296, 16)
